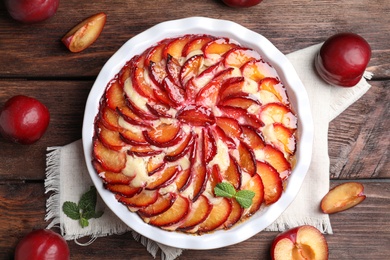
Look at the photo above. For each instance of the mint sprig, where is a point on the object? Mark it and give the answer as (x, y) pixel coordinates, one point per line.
(85, 209)
(227, 190)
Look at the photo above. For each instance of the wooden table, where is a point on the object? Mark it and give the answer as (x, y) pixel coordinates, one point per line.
(34, 62)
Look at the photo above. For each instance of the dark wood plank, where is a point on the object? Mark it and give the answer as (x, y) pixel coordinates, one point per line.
(290, 25)
(22, 208)
(66, 102)
(359, 138)
(354, 137)
(362, 232)
(34, 62)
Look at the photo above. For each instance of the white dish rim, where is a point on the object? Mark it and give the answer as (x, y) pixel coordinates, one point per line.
(298, 97)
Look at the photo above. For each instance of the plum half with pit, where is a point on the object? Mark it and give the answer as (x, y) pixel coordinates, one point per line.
(302, 242)
(342, 59)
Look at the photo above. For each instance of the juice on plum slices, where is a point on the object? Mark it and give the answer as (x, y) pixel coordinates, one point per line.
(186, 114)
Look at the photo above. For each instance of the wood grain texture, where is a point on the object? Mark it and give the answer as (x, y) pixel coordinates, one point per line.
(362, 232)
(290, 25)
(66, 102)
(34, 62)
(359, 138)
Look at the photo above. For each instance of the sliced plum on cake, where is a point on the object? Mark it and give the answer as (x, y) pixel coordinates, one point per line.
(185, 116)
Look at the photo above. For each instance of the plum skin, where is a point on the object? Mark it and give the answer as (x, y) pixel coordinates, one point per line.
(23, 119)
(31, 11)
(343, 59)
(42, 244)
(241, 3)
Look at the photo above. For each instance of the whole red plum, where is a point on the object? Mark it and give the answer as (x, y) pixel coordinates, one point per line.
(342, 59)
(42, 244)
(31, 11)
(23, 119)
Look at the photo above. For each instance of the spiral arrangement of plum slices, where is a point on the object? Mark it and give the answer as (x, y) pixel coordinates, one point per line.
(186, 114)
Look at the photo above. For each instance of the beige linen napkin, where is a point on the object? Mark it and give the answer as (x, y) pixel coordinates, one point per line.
(67, 177)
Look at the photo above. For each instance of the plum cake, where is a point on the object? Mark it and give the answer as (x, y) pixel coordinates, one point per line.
(185, 115)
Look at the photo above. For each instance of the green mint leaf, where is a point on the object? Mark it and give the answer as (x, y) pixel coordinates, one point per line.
(244, 198)
(88, 214)
(71, 210)
(92, 214)
(88, 200)
(224, 189)
(85, 209)
(84, 222)
(98, 214)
